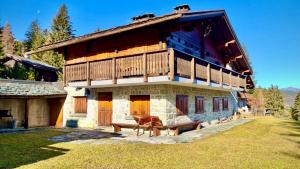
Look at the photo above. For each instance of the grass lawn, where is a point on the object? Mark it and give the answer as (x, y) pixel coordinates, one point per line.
(262, 143)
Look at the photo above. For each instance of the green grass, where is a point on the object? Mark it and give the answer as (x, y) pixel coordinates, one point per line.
(262, 143)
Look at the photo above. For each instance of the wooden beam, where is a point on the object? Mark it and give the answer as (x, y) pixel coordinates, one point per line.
(26, 124)
(208, 74)
(229, 42)
(114, 79)
(193, 70)
(65, 75)
(145, 67)
(221, 77)
(88, 79)
(172, 64)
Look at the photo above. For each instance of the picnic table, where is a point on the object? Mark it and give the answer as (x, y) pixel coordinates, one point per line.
(146, 122)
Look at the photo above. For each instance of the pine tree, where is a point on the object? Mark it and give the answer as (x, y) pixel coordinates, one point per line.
(295, 112)
(274, 101)
(7, 39)
(61, 28)
(35, 38)
(19, 48)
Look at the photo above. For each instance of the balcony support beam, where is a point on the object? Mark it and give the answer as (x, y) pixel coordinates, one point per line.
(88, 79)
(208, 74)
(221, 77)
(172, 64)
(114, 77)
(193, 70)
(145, 67)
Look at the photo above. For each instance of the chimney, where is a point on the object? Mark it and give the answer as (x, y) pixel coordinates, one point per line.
(182, 8)
(143, 17)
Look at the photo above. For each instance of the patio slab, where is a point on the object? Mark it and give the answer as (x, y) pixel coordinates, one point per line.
(107, 137)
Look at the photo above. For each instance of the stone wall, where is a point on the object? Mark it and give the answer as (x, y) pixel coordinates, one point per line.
(162, 104)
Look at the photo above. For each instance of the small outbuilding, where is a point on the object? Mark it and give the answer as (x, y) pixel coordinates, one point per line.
(26, 103)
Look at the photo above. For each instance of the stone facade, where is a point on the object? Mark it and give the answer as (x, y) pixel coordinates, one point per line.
(162, 103)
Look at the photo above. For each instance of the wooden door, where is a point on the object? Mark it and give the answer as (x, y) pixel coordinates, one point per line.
(56, 111)
(182, 104)
(104, 109)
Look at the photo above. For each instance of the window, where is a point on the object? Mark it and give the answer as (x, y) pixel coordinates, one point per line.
(81, 104)
(225, 103)
(182, 102)
(216, 104)
(140, 104)
(199, 104)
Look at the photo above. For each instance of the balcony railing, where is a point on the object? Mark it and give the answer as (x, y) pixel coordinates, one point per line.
(171, 62)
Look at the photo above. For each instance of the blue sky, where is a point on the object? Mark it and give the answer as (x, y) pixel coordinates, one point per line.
(269, 29)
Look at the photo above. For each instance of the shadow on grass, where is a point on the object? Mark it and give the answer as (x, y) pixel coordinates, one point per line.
(81, 134)
(293, 136)
(20, 149)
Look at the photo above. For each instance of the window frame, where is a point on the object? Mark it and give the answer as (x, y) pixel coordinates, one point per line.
(216, 109)
(76, 104)
(196, 105)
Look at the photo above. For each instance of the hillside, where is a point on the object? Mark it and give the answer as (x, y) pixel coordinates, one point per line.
(289, 95)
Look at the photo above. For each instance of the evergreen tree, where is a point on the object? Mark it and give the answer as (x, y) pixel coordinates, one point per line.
(7, 39)
(61, 28)
(295, 112)
(35, 38)
(274, 100)
(19, 48)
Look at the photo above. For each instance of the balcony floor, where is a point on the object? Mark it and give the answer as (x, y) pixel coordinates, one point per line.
(137, 81)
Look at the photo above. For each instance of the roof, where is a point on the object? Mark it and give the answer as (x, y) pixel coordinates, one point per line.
(124, 28)
(28, 88)
(31, 63)
(181, 17)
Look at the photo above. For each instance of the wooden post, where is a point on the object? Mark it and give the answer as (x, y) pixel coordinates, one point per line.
(88, 73)
(193, 70)
(172, 64)
(245, 83)
(65, 75)
(230, 79)
(26, 115)
(145, 67)
(114, 79)
(208, 74)
(221, 77)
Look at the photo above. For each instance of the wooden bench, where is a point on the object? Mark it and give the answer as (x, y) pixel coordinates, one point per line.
(119, 126)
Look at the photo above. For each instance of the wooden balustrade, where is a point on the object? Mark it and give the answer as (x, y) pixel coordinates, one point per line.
(169, 62)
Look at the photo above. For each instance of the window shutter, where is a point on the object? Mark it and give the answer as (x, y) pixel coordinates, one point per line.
(182, 103)
(225, 103)
(199, 103)
(81, 104)
(216, 104)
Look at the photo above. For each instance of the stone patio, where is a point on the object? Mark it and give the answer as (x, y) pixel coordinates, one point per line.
(107, 137)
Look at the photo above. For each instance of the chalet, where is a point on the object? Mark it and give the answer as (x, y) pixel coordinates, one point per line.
(45, 72)
(181, 67)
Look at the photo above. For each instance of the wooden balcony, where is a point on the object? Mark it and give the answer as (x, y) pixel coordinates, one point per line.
(170, 62)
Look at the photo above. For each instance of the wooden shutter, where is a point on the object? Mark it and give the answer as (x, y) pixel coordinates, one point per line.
(199, 104)
(225, 103)
(182, 103)
(216, 104)
(81, 104)
(140, 105)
